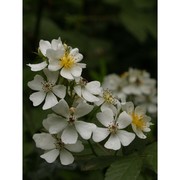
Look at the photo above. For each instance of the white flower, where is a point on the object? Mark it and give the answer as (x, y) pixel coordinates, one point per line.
(114, 126)
(88, 90)
(107, 101)
(68, 62)
(140, 121)
(56, 46)
(46, 89)
(68, 122)
(54, 147)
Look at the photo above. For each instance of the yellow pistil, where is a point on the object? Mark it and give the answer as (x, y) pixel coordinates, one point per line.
(138, 121)
(67, 61)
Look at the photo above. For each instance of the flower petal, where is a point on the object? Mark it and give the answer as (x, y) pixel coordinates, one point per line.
(94, 87)
(105, 117)
(100, 134)
(54, 54)
(78, 90)
(56, 43)
(124, 120)
(62, 108)
(88, 96)
(66, 73)
(37, 67)
(44, 141)
(55, 124)
(54, 65)
(37, 97)
(113, 142)
(138, 132)
(36, 83)
(59, 90)
(43, 46)
(82, 109)
(51, 75)
(66, 157)
(84, 129)
(50, 101)
(69, 135)
(76, 71)
(140, 110)
(77, 147)
(128, 107)
(50, 156)
(125, 137)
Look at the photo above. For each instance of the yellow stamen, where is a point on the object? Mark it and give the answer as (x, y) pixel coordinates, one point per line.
(67, 61)
(108, 97)
(138, 121)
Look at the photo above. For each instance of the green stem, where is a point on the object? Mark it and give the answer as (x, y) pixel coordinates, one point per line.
(92, 149)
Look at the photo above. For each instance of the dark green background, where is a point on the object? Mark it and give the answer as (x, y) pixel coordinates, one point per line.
(113, 35)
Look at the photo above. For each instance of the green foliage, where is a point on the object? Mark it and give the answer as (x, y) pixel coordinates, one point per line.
(127, 168)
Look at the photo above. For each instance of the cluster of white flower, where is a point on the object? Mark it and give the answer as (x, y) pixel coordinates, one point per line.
(72, 98)
(134, 85)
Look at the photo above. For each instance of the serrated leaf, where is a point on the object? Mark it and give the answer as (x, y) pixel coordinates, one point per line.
(127, 168)
(150, 156)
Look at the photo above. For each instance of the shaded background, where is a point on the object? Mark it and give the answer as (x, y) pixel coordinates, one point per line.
(112, 35)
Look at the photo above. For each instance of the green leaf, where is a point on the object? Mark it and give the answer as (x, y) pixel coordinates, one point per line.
(127, 168)
(150, 156)
(96, 163)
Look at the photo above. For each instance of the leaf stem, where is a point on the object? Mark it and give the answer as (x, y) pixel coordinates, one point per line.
(92, 149)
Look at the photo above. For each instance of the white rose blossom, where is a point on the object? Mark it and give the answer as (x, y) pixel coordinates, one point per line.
(68, 63)
(88, 90)
(67, 121)
(54, 147)
(140, 121)
(46, 89)
(114, 128)
(55, 45)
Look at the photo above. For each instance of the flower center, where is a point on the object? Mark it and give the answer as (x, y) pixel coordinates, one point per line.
(59, 144)
(67, 61)
(71, 119)
(113, 127)
(108, 97)
(47, 86)
(138, 121)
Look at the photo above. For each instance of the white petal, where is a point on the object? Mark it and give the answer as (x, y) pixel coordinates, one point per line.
(77, 147)
(37, 97)
(66, 73)
(82, 65)
(69, 135)
(44, 141)
(94, 87)
(100, 134)
(54, 54)
(59, 90)
(66, 157)
(76, 71)
(124, 120)
(56, 124)
(78, 90)
(37, 67)
(82, 109)
(50, 101)
(113, 143)
(108, 106)
(140, 110)
(43, 46)
(62, 108)
(50, 156)
(51, 75)
(36, 83)
(138, 132)
(85, 129)
(56, 43)
(128, 107)
(125, 137)
(105, 117)
(45, 123)
(54, 65)
(88, 96)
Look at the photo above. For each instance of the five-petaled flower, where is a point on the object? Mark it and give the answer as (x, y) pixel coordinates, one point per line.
(114, 127)
(47, 89)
